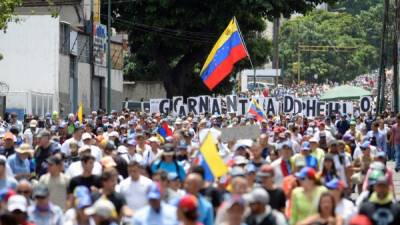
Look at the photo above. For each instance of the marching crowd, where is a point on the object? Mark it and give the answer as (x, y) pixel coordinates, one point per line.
(135, 168)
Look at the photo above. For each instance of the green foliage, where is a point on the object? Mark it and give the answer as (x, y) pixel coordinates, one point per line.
(353, 7)
(321, 28)
(170, 39)
(6, 11)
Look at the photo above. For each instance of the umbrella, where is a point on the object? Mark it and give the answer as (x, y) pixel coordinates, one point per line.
(344, 92)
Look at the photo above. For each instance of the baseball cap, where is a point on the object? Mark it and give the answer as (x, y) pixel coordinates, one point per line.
(381, 154)
(33, 123)
(17, 202)
(86, 136)
(335, 184)
(103, 208)
(132, 142)
(266, 171)
(306, 146)
(236, 200)
(168, 149)
(114, 134)
(365, 145)
(313, 140)
(237, 171)
(251, 168)
(154, 139)
(257, 195)
(240, 160)
(285, 145)
(306, 172)
(373, 176)
(381, 180)
(84, 148)
(188, 203)
(40, 191)
(154, 191)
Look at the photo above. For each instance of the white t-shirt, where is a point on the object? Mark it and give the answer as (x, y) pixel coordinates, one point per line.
(135, 191)
(65, 146)
(96, 152)
(346, 209)
(149, 156)
(76, 169)
(341, 168)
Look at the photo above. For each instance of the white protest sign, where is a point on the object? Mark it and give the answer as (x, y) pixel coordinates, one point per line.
(155, 105)
(365, 104)
(243, 132)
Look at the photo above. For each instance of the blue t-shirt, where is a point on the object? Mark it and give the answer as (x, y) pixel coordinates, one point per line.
(8, 183)
(169, 167)
(17, 165)
(311, 161)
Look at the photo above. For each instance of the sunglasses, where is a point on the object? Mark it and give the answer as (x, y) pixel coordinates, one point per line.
(23, 192)
(40, 197)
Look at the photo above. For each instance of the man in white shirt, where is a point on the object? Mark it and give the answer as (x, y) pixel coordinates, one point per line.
(77, 137)
(76, 168)
(150, 155)
(94, 150)
(135, 187)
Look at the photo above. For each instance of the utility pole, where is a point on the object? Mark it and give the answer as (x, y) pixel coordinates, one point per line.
(381, 93)
(109, 63)
(395, 58)
(275, 40)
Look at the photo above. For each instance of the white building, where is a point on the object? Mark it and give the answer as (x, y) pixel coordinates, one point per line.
(47, 62)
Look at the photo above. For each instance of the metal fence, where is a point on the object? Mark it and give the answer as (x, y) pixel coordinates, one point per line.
(29, 103)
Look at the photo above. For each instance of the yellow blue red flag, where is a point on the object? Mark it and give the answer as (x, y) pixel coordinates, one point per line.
(210, 154)
(228, 50)
(256, 110)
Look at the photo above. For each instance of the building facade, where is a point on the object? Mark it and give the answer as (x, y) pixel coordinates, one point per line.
(50, 60)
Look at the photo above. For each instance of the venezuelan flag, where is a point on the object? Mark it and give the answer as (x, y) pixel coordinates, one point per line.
(164, 130)
(228, 50)
(256, 110)
(212, 160)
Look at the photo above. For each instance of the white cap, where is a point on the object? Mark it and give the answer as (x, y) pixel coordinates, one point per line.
(154, 139)
(84, 148)
(103, 208)
(114, 134)
(17, 202)
(86, 136)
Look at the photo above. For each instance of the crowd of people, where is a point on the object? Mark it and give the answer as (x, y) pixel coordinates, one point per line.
(135, 168)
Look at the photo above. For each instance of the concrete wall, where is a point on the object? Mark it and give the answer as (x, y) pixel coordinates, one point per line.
(84, 86)
(144, 89)
(65, 102)
(31, 59)
(116, 86)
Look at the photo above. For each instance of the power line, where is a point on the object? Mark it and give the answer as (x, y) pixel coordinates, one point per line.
(164, 33)
(189, 34)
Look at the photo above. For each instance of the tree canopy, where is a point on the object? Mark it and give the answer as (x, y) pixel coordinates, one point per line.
(170, 39)
(6, 11)
(322, 28)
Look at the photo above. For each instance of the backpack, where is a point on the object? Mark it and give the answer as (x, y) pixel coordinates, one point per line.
(176, 167)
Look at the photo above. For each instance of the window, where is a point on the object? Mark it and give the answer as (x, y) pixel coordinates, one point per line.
(83, 48)
(64, 38)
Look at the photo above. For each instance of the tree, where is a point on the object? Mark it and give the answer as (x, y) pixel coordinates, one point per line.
(353, 7)
(6, 11)
(170, 39)
(323, 28)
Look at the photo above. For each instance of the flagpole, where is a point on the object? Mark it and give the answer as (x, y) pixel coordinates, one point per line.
(248, 55)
